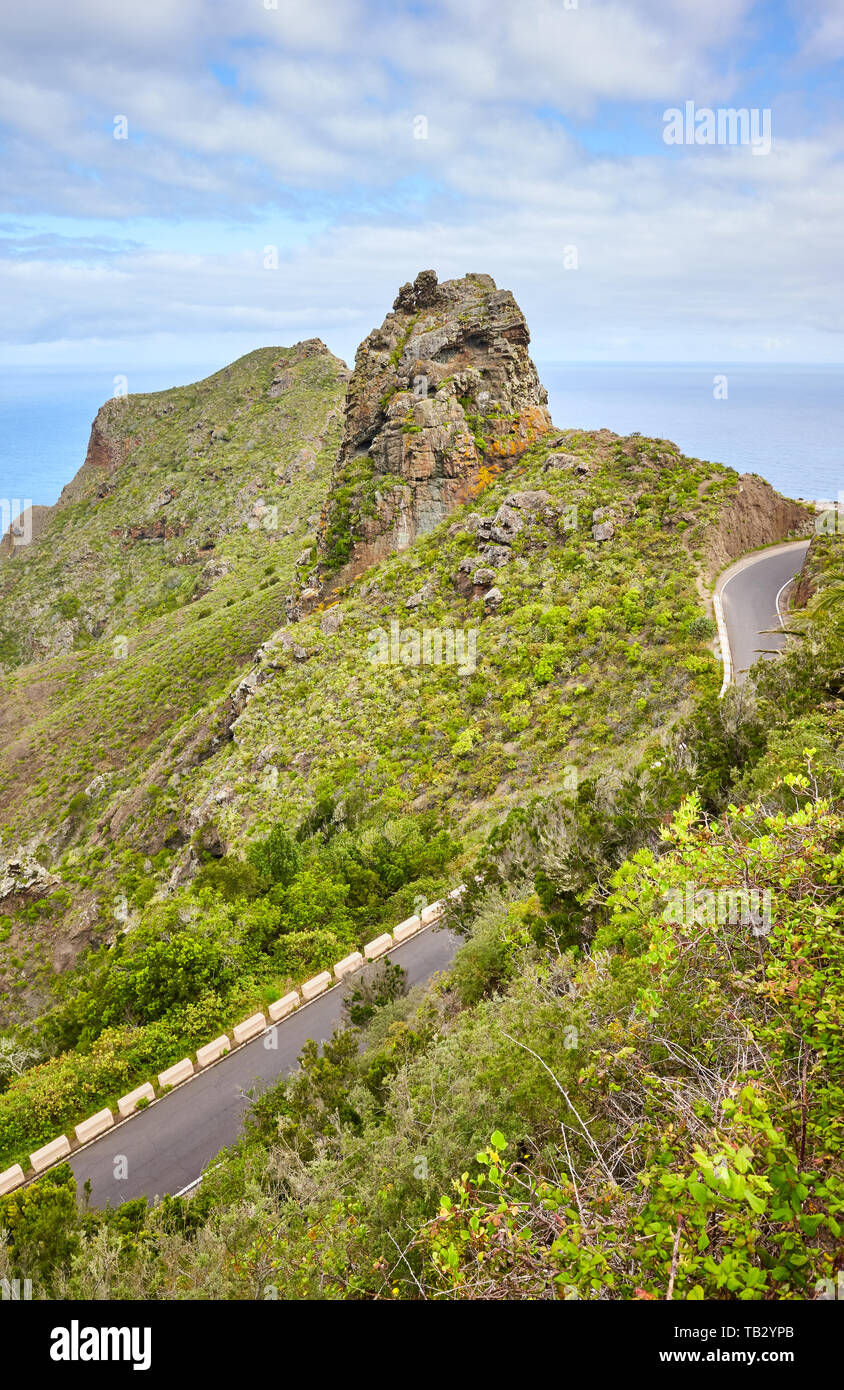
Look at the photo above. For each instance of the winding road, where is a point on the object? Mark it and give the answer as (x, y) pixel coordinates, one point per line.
(750, 593)
(166, 1147)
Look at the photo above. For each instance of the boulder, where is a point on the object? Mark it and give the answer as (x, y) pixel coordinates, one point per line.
(422, 596)
(531, 500)
(331, 620)
(496, 555)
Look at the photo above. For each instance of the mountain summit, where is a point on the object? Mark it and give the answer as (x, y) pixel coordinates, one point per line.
(444, 395)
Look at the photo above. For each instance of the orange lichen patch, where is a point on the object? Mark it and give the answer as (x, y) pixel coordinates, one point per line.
(520, 434)
(486, 474)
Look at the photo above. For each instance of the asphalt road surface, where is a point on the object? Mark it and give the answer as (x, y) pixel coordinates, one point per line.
(165, 1148)
(749, 599)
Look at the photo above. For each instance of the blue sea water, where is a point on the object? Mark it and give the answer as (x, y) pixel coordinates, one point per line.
(786, 423)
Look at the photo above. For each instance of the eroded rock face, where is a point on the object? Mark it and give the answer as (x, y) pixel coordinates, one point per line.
(24, 875)
(756, 515)
(443, 396)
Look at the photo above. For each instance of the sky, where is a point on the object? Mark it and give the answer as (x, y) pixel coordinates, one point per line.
(185, 180)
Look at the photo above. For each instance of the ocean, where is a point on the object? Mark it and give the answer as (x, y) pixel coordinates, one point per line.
(783, 422)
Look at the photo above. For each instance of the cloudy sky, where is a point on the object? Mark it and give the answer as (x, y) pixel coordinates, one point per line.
(365, 140)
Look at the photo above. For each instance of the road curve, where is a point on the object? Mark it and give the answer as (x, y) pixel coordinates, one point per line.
(749, 593)
(164, 1149)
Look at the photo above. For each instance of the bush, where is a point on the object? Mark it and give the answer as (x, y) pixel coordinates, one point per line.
(41, 1227)
(299, 952)
(231, 878)
(487, 961)
(78, 805)
(276, 859)
(372, 988)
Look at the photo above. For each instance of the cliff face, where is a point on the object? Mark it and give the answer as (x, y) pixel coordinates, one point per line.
(443, 396)
(754, 516)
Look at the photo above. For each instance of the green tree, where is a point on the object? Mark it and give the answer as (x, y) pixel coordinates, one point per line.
(277, 858)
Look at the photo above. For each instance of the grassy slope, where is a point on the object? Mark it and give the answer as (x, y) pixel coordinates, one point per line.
(156, 592)
(594, 647)
(169, 484)
(594, 650)
(93, 710)
(694, 1070)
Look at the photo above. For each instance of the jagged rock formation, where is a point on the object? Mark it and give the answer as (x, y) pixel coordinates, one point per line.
(443, 396)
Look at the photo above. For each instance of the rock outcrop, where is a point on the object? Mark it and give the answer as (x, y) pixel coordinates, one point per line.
(756, 515)
(443, 396)
(25, 528)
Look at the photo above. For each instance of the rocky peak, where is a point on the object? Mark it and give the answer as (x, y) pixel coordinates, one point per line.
(443, 396)
(423, 293)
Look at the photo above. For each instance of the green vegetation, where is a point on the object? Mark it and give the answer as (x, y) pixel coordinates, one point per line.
(603, 1098)
(562, 680)
(244, 933)
(660, 1113)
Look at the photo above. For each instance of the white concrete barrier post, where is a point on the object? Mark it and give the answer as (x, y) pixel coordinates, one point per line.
(129, 1103)
(283, 1007)
(406, 929)
(249, 1028)
(98, 1124)
(318, 985)
(211, 1051)
(12, 1178)
(348, 965)
(373, 949)
(180, 1071)
(50, 1153)
(432, 913)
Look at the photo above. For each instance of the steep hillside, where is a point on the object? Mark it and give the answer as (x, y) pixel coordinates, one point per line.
(655, 1118)
(563, 605)
(262, 776)
(170, 557)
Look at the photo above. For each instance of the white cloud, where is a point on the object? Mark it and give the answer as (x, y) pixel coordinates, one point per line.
(675, 252)
(823, 29)
(328, 95)
(679, 251)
